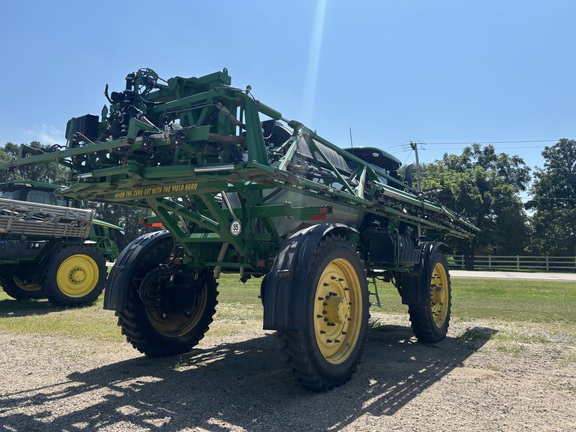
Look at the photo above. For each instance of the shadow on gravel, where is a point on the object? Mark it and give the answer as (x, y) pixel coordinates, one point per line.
(238, 386)
(18, 308)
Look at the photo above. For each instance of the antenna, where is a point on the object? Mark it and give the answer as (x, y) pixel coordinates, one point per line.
(414, 147)
(351, 143)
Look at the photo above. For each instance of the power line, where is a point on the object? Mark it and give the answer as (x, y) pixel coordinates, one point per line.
(409, 154)
(503, 148)
(406, 146)
(492, 142)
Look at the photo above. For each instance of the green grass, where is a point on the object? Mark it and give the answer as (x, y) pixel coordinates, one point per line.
(502, 300)
(235, 292)
(240, 308)
(515, 300)
(40, 317)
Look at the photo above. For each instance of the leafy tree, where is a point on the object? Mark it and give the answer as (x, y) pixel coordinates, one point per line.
(127, 217)
(47, 172)
(554, 202)
(485, 187)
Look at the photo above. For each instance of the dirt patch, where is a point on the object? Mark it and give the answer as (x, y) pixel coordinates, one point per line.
(485, 376)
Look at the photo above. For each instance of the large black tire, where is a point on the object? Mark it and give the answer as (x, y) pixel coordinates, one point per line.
(75, 276)
(430, 322)
(326, 353)
(157, 333)
(14, 284)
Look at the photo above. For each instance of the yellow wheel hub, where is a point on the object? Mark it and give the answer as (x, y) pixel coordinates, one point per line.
(25, 286)
(337, 311)
(77, 276)
(176, 325)
(439, 294)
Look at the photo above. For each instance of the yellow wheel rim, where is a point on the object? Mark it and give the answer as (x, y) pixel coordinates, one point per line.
(77, 276)
(176, 325)
(439, 295)
(26, 287)
(337, 311)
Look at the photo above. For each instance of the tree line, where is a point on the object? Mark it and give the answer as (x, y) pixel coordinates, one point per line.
(487, 187)
(519, 210)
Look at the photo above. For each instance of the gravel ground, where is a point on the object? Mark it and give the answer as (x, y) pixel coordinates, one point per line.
(486, 376)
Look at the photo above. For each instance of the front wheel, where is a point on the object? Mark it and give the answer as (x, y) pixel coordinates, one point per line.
(75, 276)
(164, 317)
(430, 322)
(325, 354)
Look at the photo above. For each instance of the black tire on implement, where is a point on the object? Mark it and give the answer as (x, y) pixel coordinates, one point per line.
(16, 287)
(326, 353)
(75, 276)
(154, 332)
(430, 322)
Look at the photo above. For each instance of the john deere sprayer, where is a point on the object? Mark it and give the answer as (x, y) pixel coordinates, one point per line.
(240, 189)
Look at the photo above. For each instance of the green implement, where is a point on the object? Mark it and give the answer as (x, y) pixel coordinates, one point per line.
(49, 247)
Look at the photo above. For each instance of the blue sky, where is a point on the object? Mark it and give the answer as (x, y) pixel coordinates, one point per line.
(440, 73)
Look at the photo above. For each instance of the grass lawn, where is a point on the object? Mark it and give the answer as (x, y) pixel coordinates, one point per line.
(239, 307)
(502, 300)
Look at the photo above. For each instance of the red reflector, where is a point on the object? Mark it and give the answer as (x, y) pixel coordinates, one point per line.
(323, 210)
(150, 225)
(318, 217)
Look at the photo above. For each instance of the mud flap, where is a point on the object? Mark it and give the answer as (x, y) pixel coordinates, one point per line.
(416, 285)
(284, 288)
(119, 279)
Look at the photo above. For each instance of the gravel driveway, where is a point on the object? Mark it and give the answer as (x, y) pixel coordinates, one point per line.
(486, 376)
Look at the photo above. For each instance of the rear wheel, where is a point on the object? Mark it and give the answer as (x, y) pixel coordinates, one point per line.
(430, 322)
(162, 319)
(75, 276)
(16, 286)
(325, 354)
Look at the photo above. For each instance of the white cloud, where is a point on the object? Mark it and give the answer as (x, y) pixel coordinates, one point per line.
(46, 134)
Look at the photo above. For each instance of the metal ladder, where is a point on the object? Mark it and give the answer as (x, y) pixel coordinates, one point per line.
(373, 294)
